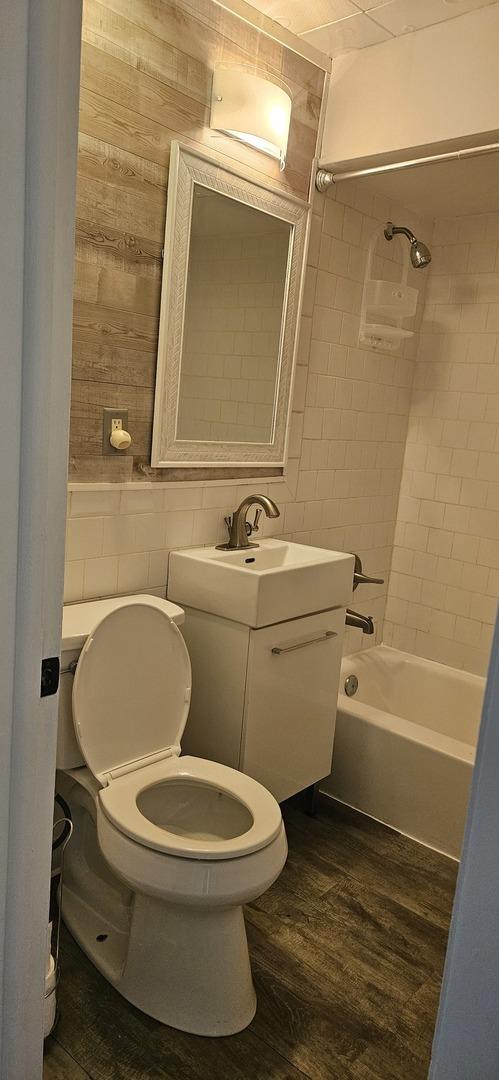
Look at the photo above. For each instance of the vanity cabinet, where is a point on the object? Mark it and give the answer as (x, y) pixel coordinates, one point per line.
(264, 700)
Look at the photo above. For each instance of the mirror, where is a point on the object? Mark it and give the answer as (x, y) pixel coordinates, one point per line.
(236, 283)
(229, 306)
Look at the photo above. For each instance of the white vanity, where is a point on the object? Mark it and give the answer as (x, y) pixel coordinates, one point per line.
(264, 628)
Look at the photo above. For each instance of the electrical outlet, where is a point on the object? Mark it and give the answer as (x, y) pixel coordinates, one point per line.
(113, 420)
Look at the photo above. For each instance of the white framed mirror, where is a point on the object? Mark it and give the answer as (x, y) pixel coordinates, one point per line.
(230, 300)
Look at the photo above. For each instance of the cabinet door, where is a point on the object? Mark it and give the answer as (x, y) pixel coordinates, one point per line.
(218, 649)
(290, 706)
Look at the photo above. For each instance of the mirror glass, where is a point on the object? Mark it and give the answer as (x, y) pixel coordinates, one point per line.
(233, 318)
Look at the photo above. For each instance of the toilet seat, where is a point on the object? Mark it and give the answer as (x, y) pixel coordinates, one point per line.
(131, 691)
(119, 803)
(131, 696)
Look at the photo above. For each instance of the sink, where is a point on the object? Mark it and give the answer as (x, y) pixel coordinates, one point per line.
(259, 586)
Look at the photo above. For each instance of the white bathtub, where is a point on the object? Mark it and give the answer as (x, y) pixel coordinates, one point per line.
(405, 744)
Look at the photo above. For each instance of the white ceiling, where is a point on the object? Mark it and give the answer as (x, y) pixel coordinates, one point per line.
(335, 26)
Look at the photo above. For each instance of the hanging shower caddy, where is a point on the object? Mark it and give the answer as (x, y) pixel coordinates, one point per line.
(393, 301)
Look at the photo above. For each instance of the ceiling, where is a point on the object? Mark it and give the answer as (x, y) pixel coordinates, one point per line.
(335, 26)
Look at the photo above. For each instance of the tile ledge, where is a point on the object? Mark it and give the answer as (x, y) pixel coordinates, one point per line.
(167, 485)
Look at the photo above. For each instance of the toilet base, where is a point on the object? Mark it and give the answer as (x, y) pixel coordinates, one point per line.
(197, 963)
(186, 967)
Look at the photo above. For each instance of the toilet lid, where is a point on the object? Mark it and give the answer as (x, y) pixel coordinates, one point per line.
(131, 690)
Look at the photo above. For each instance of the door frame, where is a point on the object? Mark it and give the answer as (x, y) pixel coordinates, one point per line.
(39, 89)
(466, 1040)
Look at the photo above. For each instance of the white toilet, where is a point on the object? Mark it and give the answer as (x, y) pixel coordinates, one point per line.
(166, 849)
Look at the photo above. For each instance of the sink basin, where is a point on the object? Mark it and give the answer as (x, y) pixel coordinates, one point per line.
(263, 585)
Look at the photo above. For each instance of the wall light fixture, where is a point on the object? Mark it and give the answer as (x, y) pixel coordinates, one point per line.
(251, 109)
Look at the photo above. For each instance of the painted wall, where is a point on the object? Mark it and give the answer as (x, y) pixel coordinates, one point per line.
(445, 572)
(145, 81)
(435, 85)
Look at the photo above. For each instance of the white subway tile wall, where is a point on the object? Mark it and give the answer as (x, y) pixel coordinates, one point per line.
(123, 547)
(348, 432)
(355, 403)
(445, 571)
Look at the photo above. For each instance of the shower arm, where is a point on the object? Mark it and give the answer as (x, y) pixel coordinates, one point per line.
(392, 230)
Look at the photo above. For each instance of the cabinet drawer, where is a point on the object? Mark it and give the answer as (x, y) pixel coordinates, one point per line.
(290, 706)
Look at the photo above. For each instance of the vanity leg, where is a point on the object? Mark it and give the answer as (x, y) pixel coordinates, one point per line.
(310, 799)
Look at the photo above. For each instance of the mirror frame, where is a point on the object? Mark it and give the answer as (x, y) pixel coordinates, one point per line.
(187, 168)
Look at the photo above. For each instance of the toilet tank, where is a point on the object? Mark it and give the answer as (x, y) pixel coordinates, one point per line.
(78, 620)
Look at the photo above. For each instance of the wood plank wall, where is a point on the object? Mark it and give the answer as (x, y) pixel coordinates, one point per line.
(145, 81)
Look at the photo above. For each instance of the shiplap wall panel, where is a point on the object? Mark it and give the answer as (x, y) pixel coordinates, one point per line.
(145, 81)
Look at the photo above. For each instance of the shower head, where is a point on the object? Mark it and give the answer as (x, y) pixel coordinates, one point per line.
(420, 253)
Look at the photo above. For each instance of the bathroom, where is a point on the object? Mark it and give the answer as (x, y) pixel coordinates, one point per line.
(282, 437)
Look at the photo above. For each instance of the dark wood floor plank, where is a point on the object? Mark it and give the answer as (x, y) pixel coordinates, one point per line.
(382, 922)
(327, 979)
(389, 1060)
(114, 1041)
(404, 1052)
(378, 857)
(321, 1038)
(58, 1065)
(340, 967)
(347, 951)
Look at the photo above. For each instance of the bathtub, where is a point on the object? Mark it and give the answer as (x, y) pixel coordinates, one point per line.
(404, 745)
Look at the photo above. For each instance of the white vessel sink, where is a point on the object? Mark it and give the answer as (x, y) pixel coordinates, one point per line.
(263, 585)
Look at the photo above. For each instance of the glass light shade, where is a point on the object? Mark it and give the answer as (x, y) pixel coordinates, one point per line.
(251, 109)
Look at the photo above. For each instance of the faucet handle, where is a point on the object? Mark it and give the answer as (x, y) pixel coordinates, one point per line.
(255, 526)
(228, 522)
(251, 528)
(359, 578)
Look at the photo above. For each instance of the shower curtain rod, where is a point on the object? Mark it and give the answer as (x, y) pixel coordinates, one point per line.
(324, 178)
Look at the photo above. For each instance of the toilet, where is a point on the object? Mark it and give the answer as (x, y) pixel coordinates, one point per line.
(166, 849)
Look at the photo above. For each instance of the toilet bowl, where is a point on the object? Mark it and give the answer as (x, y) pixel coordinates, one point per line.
(166, 849)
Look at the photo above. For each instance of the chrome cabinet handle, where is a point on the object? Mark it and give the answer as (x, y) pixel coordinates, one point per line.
(302, 644)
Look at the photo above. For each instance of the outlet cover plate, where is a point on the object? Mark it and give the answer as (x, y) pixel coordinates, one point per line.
(108, 415)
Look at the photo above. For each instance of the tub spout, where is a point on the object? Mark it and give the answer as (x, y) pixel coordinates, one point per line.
(361, 622)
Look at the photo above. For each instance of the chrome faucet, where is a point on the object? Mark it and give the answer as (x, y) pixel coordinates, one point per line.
(361, 622)
(240, 529)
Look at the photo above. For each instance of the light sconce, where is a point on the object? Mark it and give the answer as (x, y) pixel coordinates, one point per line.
(251, 109)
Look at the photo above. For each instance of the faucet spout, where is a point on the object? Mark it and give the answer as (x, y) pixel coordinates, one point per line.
(361, 622)
(240, 529)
